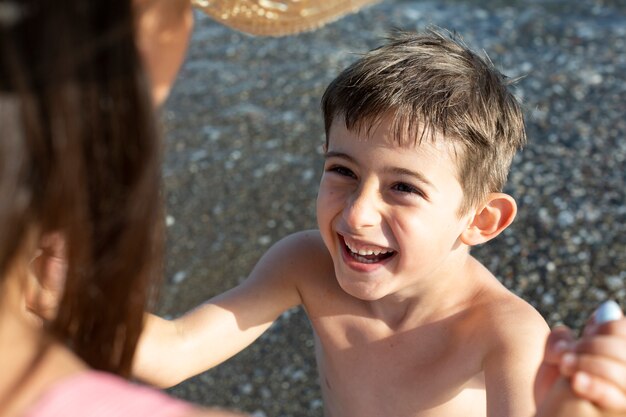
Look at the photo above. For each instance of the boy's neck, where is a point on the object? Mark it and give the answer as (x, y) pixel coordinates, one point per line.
(441, 295)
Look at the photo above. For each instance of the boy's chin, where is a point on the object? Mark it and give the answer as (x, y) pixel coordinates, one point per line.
(361, 291)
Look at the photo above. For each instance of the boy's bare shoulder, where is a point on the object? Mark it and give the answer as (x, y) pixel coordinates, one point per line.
(305, 247)
(302, 241)
(513, 319)
(504, 321)
(309, 266)
(511, 335)
(302, 253)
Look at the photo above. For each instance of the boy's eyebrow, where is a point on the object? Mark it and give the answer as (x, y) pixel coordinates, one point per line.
(334, 154)
(404, 171)
(390, 170)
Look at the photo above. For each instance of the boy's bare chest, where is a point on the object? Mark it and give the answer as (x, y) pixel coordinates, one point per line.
(367, 371)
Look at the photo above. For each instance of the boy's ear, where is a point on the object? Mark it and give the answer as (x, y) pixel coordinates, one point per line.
(495, 215)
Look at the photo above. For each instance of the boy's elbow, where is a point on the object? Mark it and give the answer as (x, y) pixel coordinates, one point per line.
(157, 354)
(160, 380)
(164, 383)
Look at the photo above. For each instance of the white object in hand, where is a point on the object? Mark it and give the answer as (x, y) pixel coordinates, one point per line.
(608, 311)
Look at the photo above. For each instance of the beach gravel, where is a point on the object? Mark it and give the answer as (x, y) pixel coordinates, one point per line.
(244, 134)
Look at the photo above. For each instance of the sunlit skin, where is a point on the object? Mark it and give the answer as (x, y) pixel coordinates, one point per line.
(377, 196)
(163, 29)
(422, 331)
(163, 32)
(421, 294)
(413, 326)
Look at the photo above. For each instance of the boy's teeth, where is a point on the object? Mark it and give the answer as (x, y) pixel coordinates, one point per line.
(366, 252)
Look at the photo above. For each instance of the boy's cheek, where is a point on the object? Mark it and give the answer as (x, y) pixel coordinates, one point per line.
(329, 195)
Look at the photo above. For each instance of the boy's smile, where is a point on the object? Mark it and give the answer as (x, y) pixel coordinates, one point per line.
(362, 256)
(388, 212)
(366, 253)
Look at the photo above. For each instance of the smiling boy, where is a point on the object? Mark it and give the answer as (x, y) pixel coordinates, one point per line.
(420, 136)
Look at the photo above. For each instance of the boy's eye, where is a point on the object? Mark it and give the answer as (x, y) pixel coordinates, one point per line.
(341, 170)
(407, 188)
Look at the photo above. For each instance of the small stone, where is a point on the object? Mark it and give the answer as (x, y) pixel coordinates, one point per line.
(608, 311)
(547, 299)
(179, 277)
(246, 389)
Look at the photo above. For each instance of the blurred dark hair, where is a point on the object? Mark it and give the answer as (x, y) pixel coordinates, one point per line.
(432, 84)
(80, 155)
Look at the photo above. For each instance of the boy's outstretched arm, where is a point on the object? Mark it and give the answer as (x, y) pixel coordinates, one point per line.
(171, 351)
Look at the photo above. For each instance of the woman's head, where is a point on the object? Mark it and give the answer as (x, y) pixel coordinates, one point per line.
(79, 155)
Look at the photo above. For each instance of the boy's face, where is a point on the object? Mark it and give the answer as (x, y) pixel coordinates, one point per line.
(389, 213)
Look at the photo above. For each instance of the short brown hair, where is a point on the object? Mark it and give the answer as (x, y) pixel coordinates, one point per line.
(432, 82)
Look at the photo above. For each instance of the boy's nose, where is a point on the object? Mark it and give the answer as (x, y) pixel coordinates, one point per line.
(362, 210)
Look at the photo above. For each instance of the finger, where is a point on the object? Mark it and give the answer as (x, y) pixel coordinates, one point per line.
(610, 347)
(546, 377)
(615, 327)
(559, 341)
(612, 371)
(599, 391)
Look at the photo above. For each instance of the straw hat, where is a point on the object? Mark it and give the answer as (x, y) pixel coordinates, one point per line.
(277, 17)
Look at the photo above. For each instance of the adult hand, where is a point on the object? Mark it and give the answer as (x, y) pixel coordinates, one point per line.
(596, 365)
(560, 340)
